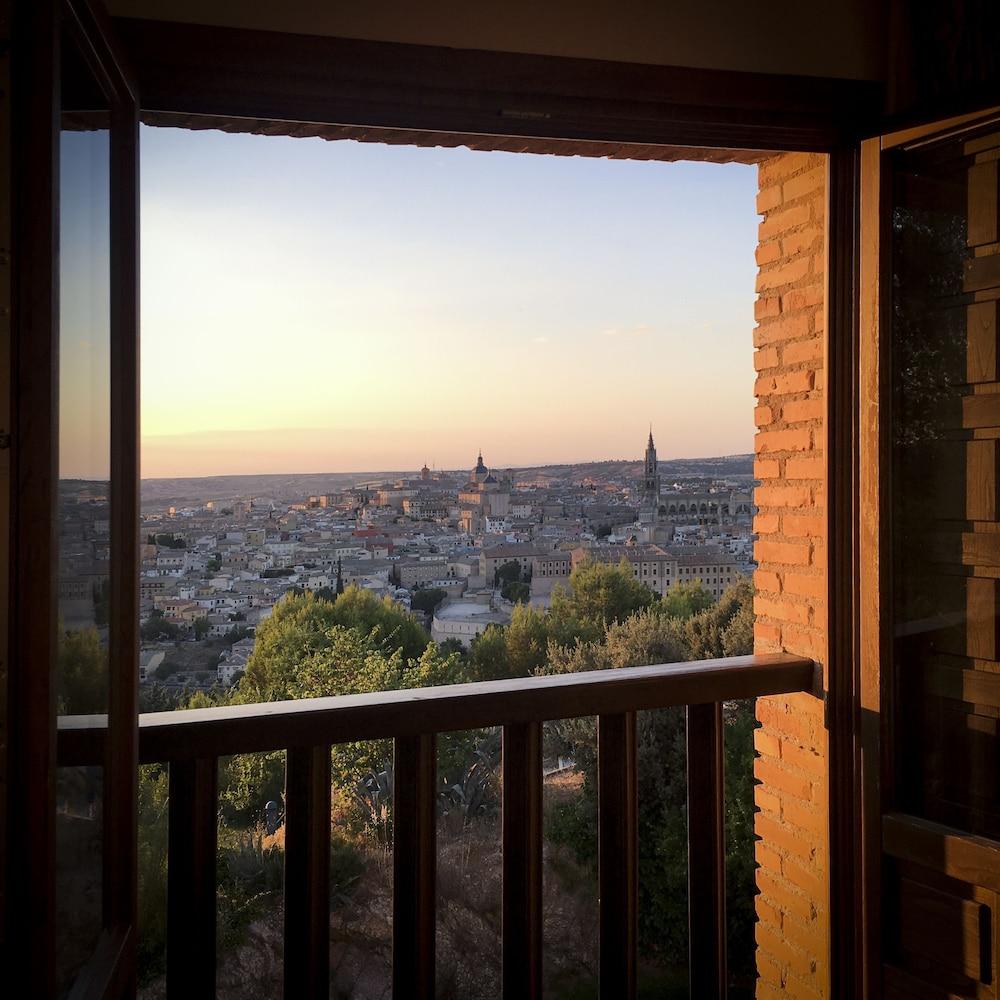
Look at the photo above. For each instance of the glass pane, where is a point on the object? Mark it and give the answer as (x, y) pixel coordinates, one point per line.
(945, 431)
(83, 511)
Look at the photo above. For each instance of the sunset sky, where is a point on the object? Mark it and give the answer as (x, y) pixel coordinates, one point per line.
(310, 306)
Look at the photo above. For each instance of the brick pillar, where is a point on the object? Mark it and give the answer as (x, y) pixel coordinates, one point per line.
(792, 822)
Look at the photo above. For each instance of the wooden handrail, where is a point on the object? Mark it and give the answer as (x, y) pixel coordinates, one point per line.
(277, 725)
(193, 741)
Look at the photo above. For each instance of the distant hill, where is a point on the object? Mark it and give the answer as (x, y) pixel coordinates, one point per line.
(283, 487)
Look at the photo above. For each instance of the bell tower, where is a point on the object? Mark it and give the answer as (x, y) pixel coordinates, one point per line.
(651, 475)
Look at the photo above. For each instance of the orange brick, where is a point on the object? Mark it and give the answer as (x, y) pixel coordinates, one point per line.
(787, 898)
(766, 743)
(797, 961)
(766, 800)
(803, 759)
(767, 968)
(787, 273)
(803, 467)
(770, 773)
(775, 169)
(768, 253)
(767, 582)
(766, 635)
(768, 199)
(803, 350)
(806, 878)
(766, 357)
(803, 525)
(783, 328)
(810, 239)
(803, 184)
(802, 298)
(782, 220)
(804, 642)
(806, 818)
(766, 468)
(783, 496)
(783, 610)
(800, 381)
(763, 415)
(792, 553)
(804, 586)
(767, 306)
(794, 440)
(803, 409)
(766, 524)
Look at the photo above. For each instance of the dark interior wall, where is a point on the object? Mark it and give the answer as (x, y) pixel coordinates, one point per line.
(836, 39)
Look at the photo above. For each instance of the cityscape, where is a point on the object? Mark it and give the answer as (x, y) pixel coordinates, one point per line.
(214, 570)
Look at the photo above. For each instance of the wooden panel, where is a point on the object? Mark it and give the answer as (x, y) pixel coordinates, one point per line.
(706, 851)
(982, 629)
(414, 864)
(981, 363)
(522, 862)
(29, 890)
(346, 718)
(977, 687)
(191, 881)
(982, 480)
(617, 854)
(981, 410)
(961, 856)
(307, 873)
(288, 78)
(984, 224)
(945, 929)
(982, 272)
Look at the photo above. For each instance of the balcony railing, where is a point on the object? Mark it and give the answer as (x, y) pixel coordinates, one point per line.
(193, 741)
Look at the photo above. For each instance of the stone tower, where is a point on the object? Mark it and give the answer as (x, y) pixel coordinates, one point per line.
(651, 476)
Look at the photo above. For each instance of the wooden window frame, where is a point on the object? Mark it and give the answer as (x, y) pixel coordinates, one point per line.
(198, 76)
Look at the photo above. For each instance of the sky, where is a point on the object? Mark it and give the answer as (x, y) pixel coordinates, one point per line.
(313, 306)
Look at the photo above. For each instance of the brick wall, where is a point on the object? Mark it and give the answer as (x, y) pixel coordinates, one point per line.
(793, 849)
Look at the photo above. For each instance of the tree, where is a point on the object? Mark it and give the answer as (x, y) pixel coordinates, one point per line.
(515, 591)
(213, 565)
(427, 599)
(653, 636)
(340, 577)
(488, 655)
(157, 627)
(82, 685)
(600, 594)
(201, 627)
(509, 572)
(686, 599)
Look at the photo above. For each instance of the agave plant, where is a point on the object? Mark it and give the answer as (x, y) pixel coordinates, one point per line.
(473, 794)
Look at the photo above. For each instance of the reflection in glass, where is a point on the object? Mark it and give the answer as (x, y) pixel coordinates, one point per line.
(83, 505)
(944, 489)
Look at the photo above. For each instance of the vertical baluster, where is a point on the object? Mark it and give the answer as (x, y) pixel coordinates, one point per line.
(617, 854)
(706, 851)
(522, 861)
(307, 872)
(414, 866)
(191, 902)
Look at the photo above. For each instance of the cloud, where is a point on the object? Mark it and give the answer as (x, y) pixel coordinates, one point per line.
(540, 340)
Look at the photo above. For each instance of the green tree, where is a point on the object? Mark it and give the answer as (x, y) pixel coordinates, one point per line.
(427, 599)
(686, 599)
(509, 572)
(157, 627)
(200, 627)
(82, 686)
(600, 594)
(515, 591)
(488, 655)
